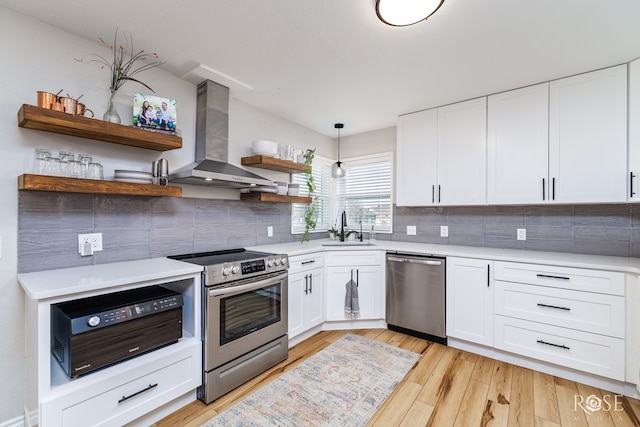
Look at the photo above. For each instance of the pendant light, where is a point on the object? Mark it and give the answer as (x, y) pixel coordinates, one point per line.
(400, 13)
(337, 169)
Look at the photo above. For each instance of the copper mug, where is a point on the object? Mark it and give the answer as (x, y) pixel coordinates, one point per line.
(81, 109)
(69, 105)
(47, 99)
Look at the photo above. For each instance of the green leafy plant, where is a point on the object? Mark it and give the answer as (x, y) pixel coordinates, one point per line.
(310, 213)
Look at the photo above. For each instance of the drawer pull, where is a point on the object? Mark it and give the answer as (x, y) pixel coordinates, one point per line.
(548, 276)
(308, 262)
(553, 345)
(125, 398)
(557, 307)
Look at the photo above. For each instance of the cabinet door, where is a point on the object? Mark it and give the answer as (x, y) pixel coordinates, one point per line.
(298, 282)
(416, 161)
(462, 153)
(587, 137)
(470, 300)
(634, 131)
(518, 146)
(369, 279)
(314, 299)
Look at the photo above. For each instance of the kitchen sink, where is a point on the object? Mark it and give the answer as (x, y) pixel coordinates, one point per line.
(349, 243)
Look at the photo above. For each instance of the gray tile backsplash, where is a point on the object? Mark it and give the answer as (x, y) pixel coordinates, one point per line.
(144, 227)
(612, 229)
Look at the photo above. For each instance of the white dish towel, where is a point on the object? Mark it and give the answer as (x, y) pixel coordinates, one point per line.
(351, 303)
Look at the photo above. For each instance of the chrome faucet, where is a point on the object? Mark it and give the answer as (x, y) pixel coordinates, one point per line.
(343, 224)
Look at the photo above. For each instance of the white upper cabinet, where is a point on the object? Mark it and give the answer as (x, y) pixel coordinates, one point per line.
(588, 137)
(518, 146)
(462, 153)
(634, 130)
(416, 161)
(442, 156)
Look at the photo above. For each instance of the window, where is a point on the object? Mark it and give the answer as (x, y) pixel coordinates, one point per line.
(365, 194)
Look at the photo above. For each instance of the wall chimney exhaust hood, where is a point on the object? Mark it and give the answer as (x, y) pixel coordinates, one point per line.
(212, 145)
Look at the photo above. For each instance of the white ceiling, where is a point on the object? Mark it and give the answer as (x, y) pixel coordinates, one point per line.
(317, 62)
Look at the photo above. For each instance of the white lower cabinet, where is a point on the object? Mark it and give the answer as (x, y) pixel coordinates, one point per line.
(571, 317)
(366, 268)
(306, 292)
(592, 353)
(136, 391)
(470, 300)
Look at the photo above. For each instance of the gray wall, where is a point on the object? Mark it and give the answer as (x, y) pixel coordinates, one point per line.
(146, 227)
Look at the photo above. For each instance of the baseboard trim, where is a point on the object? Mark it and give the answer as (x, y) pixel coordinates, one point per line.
(15, 422)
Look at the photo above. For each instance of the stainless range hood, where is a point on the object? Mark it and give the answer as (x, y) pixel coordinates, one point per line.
(212, 145)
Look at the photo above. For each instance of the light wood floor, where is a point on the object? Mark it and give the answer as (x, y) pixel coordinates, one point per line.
(449, 387)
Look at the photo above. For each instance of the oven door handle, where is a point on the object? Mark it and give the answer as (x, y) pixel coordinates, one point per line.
(232, 290)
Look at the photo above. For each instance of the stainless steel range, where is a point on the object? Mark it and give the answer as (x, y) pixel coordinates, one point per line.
(244, 316)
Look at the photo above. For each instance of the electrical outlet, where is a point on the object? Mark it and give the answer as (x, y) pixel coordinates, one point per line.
(444, 231)
(269, 231)
(411, 230)
(522, 234)
(93, 239)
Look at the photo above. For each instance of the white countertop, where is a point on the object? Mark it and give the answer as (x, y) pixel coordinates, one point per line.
(67, 281)
(600, 262)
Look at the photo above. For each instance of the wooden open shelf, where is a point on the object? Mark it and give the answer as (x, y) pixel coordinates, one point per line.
(276, 198)
(32, 117)
(265, 162)
(32, 182)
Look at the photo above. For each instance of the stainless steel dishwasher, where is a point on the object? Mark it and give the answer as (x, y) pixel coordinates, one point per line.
(416, 295)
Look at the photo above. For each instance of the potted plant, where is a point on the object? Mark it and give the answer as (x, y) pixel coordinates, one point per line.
(333, 231)
(310, 212)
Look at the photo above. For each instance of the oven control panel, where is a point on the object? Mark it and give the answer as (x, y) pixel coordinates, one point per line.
(253, 266)
(230, 271)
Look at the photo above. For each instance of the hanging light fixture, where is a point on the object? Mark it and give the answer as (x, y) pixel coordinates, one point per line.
(337, 169)
(400, 13)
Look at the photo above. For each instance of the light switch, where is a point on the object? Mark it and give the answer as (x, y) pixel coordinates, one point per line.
(444, 231)
(269, 231)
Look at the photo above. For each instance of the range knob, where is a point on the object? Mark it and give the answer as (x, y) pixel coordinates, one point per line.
(226, 271)
(235, 269)
(277, 261)
(270, 262)
(93, 321)
(283, 261)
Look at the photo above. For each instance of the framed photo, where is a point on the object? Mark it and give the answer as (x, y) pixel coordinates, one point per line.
(154, 112)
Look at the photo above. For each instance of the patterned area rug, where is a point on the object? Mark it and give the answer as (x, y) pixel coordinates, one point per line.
(342, 385)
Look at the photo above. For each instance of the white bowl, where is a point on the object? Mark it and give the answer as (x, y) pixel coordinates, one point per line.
(265, 148)
(282, 187)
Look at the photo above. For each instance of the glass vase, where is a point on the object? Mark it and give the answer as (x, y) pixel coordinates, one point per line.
(111, 115)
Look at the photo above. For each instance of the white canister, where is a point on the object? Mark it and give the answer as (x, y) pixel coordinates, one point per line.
(282, 187)
(294, 189)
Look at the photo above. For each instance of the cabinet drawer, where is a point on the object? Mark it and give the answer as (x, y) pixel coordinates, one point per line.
(303, 262)
(591, 353)
(122, 404)
(353, 258)
(588, 312)
(581, 279)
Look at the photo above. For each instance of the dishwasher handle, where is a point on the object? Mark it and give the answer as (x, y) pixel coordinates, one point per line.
(414, 260)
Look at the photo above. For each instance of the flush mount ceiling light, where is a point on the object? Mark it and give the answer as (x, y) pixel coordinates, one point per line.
(400, 13)
(337, 169)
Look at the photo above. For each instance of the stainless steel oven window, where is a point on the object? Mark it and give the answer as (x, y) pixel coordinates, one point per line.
(245, 313)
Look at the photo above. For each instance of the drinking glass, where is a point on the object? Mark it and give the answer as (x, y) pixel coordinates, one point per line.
(54, 166)
(65, 158)
(74, 169)
(84, 160)
(41, 161)
(95, 171)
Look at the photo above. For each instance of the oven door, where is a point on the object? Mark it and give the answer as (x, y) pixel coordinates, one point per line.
(244, 316)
